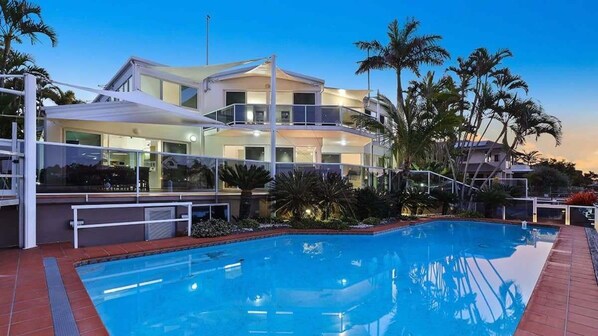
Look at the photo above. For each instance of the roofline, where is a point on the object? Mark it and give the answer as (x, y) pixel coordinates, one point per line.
(248, 68)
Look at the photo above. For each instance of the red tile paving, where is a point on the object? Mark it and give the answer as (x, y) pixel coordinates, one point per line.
(564, 302)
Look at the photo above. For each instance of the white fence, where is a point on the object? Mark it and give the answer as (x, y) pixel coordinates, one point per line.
(77, 208)
(560, 212)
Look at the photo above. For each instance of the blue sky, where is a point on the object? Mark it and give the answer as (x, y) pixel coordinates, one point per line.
(555, 44)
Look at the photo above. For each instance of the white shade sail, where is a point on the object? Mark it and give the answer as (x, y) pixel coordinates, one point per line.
(136, 106)
(199, 73)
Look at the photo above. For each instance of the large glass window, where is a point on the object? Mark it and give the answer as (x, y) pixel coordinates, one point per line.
(174, 147)
(301, 98)
(235, 98)
(151, 86)
(171, 93)
(254, 153)
(83, 138)
(284, 155)
(306, 154)
(188, 97)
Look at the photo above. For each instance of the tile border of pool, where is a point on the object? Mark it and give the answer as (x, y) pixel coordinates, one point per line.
(545, 314)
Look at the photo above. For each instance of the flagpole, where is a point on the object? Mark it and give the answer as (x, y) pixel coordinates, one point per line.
(207, 38)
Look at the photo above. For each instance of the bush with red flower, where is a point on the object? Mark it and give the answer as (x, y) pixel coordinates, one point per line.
(582, 198)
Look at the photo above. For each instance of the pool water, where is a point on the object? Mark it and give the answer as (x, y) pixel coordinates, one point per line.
(438, 278)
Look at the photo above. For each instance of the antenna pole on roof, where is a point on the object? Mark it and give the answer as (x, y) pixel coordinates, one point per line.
(207, 38)
(368, 75)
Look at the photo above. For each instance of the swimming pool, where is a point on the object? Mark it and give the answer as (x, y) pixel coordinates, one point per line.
(438, 278)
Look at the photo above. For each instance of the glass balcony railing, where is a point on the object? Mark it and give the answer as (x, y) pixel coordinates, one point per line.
(295, 115)
(67, 168)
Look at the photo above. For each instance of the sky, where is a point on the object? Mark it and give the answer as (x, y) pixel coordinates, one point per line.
(555, 45)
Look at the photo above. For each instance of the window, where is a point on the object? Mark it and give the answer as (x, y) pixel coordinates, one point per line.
(83, 138)
(305, 154)
(368, 112)
(188, 97)
(235, 98)
(254, 153)
(284, 155)
(496, 158)
(173, 147)
(304, 98)
(151, 86)
(382, 119)
(171, 93)
(331, 158)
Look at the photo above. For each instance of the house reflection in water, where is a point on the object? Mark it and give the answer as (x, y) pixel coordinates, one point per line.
(438, 279)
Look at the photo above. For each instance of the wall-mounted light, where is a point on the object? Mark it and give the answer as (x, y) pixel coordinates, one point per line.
(193, 138)
(256, 133)
(343, 142)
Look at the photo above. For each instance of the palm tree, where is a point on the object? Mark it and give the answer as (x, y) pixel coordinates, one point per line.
(68, 97)
(405, 50)
(529, 158)
(246, 179)
(334, 195)
(20, 19)
(428, 116)
(294, 192)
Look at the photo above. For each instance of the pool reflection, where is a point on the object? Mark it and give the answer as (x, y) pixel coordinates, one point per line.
(442, 278)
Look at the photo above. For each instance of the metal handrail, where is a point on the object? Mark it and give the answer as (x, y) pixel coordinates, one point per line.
(77, 227)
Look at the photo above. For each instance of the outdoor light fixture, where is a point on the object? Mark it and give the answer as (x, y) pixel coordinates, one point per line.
(308, 211)
(193, 138)
(256, 133)
(343, 143)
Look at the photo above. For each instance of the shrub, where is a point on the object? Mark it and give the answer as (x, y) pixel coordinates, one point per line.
(470, 214)
(582, 198)
(350, 220)
(308, 224)
(248, 223)
(371, 203)
(212, 228)
(493, 197)
(371, 221)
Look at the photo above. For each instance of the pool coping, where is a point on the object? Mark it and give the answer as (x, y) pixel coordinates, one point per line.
(89, 322)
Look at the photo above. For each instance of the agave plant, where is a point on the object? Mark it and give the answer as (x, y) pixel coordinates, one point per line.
(294, 192)
(334, 195)
(246, 179)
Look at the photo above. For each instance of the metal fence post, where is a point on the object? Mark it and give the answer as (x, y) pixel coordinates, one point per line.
(535, 210)
(75, 232)
(137, 179)
(596, 218)
(504, 212)
(567, 215)
(429, 182)
(188, 220)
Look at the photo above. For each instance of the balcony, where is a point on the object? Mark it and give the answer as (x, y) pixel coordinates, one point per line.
(290, 115)
(78, 169)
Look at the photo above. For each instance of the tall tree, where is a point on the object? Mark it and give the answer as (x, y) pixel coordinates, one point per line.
(19, 20)
(405, 50)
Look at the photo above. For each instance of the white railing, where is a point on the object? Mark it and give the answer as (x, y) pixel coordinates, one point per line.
(77, 208)
(511, 182)
(566, 208)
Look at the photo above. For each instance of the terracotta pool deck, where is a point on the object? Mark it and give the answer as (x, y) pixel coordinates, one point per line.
(564, 301)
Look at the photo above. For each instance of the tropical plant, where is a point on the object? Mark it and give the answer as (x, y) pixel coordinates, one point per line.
(212, 228)
(334, 195)
(405, 50)
(293, 193)
(371, 203)
(414, 199)
(492, 197)
(470, 214)
(67, 97)
(444, 199)
(246, 179)
(19, 20)
(528, 158)
(587, 198)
